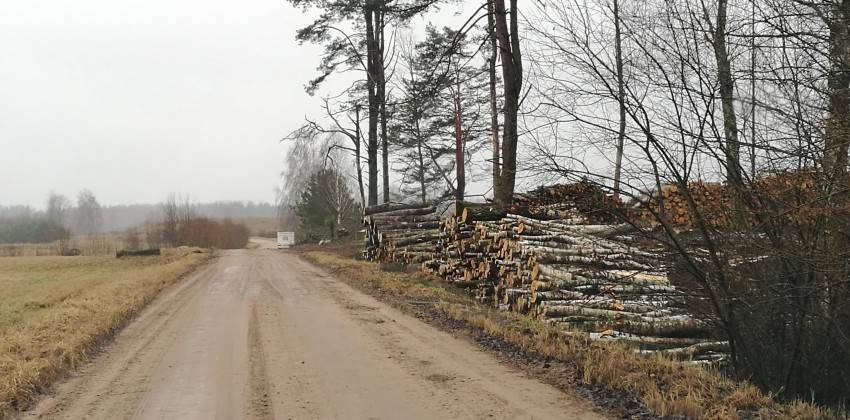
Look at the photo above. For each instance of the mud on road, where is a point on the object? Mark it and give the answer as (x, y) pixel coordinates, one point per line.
(261, 334)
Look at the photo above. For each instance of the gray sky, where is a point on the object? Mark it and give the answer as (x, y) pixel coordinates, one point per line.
(138, 99)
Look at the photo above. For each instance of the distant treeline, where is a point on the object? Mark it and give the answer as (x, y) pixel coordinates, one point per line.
(121, 217)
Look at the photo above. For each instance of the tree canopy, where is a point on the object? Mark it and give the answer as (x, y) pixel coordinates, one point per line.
(326, 206)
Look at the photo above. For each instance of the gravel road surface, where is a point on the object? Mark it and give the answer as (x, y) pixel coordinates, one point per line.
(262, 334)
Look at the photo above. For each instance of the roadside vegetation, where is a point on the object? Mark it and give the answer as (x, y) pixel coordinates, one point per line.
(668, 388)
(725, 123)
(31, 231)
(263, 227)
(89, 245)
(54, 311)
(180, 224)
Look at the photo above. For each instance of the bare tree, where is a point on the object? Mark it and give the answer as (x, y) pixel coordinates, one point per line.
(621, 94)
(337, 114)
(310, 151)
(89, 217)
(171, 220)
(777, 290)
(726, 88)
(57, 207)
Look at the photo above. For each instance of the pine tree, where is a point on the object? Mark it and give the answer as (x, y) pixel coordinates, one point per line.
(326, 205)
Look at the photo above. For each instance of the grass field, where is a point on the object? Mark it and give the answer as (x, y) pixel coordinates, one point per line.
(87, 245)
(668, 388)
(109, 244)
(53, 310)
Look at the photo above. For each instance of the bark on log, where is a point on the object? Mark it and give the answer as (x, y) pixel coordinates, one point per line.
(697, 349)
(404, 218)
(513, 211)
(391, 225)
(557, 294)
(607, 261)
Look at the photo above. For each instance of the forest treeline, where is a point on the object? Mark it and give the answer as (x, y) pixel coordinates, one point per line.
(84, 216)
(651, 101)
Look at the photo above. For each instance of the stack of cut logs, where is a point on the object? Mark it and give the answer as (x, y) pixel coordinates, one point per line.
(586, 198)
(711, 201)
(776, 195)
(401, 232)
(544, 256)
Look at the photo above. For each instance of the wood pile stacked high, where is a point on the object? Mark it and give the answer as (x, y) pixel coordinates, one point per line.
(586, 198)
(557, 254)
(780, 194)
(400, 232)
(711, 201)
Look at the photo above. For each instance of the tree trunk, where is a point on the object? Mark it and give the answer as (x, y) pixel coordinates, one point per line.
(371, 77)
(621, 98)
(753, 149)
(422, 191)
(417, 132)
(838, 82)
(459, 147)
(503, 186)
(382, 100)
(494, 111)
(357, 157)
(730, 126)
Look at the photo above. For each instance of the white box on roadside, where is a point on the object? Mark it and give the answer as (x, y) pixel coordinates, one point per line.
(285, 239)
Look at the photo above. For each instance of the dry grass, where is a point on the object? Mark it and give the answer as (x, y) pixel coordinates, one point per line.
(408, 286)
(53, 310)
(667, 388)
(88, 245)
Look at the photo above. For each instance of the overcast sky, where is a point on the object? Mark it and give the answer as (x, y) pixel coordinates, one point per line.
(138, 99)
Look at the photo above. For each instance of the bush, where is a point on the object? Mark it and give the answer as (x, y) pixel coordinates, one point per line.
(133, 239)
(207, 233)
(777, 290)
(32, 231)
(236, 235)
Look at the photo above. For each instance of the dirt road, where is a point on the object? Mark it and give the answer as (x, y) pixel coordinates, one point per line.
(261, 334)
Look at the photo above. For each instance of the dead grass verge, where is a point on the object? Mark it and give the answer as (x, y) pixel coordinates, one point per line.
(55, 310)
(667, 388)
(86, 245)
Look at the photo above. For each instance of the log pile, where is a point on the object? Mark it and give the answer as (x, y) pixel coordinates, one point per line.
(775, 194)
(400, 232)
(565, 271)
(565, 262)
(138, 253)
(587, 198)
(711, 202)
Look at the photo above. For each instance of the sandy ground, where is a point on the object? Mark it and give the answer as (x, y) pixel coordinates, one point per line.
(261, 334)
